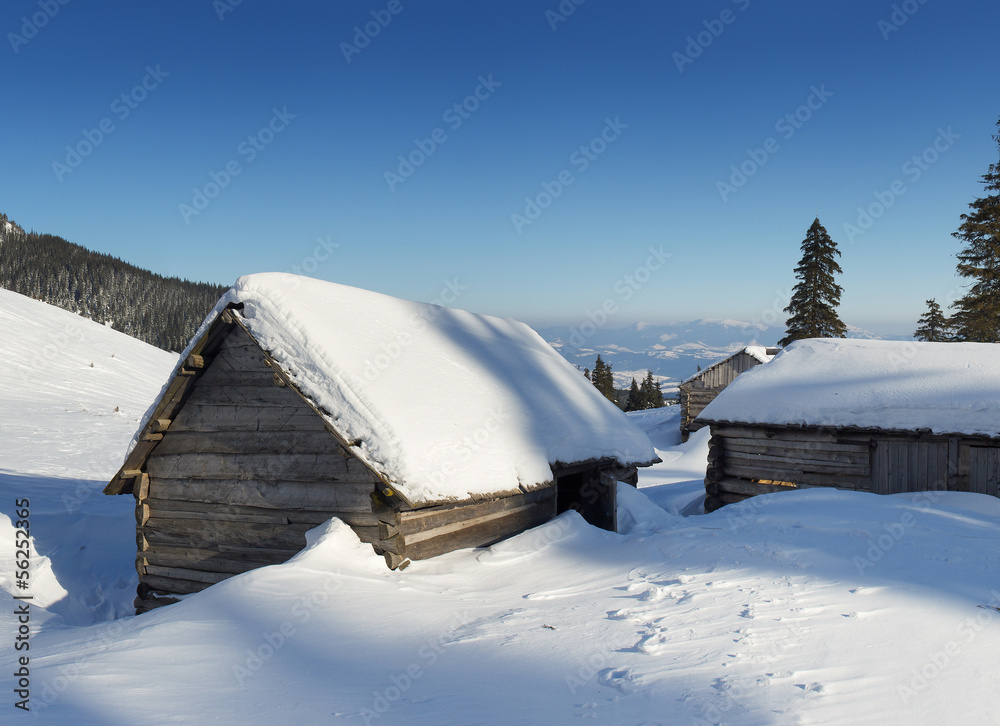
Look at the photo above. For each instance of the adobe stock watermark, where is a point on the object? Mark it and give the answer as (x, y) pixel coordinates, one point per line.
(302, 611)
(454, 116)
(894, 532)
(365, 34)
(323, 251)
(224, 7)
(769, 316)
(786, 126)
(698, 43)
(406, 678)
(625, 287)
(912, 170)
(248, 149)
(47, 9)
(121, 107)
(900, 15)
(471, 444)
(581, 159)
(921, 676)
(395, 349)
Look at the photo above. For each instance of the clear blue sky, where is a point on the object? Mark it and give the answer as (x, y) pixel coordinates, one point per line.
(885, 89)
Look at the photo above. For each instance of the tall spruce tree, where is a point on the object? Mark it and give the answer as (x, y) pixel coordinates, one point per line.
(977, 313)
(603, 380)
(634, 401)
(933, 326)
(649, 392)
(813, 307)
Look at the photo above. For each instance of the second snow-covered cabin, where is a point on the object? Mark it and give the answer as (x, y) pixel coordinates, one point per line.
(425, 429)
(870, 415)
(701, 389)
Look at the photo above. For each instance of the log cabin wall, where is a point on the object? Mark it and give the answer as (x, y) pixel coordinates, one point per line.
(698, 392)
(245, 468)
(745, 461)
(418, 534)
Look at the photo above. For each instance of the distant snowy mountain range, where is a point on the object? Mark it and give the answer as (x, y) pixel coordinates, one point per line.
(673, 351)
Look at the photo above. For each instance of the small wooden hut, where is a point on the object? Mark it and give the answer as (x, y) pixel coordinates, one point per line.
(425, 429)
(876, 416)
(701, 389)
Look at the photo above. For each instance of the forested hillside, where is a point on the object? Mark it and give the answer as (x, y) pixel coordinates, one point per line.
(162, 311)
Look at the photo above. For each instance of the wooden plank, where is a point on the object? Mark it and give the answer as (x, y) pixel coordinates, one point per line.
(835, 463)
(209, 534)
(210, 509)
(412, 538)
(142, 489)
(159, 425)
(798, 476)
(181, 573)
(248, 357)
(208, 417)
(742, 442)
(247, 395)
(481, 535)
(229, 562)
(789, 434)
(258, 442)
(145, 605)
(267, 467)
(423, 520)
(744, 486)
(220, 376)
(313, 496)
(174, 585)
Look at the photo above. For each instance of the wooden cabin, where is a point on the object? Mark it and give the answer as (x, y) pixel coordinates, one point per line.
(876, 416)
(701, 389)
(424, 429)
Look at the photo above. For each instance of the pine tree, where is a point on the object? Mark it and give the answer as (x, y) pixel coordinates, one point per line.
(634, 402)
(603, 380)
(649, 392)
(977, 316)
(813, 307)
(933, 326)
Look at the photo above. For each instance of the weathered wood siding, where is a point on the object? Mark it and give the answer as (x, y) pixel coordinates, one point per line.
(423, 533)
(698, 392)
(748, 460)
(244, 469)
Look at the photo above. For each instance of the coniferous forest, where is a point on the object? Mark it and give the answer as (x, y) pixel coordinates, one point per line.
(162, 311)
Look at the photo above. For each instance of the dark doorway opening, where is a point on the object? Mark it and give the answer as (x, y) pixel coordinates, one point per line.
(591, 493)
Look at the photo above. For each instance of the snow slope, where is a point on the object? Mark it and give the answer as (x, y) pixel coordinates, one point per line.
(73, 393)
(805, 607)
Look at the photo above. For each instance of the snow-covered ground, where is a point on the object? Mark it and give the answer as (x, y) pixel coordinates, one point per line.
(806, 607)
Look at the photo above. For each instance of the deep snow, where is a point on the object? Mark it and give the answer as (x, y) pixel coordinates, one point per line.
(806, 607)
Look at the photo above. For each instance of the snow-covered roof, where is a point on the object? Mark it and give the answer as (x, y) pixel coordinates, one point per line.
(445, 404)
(758, 352)
(951, 388)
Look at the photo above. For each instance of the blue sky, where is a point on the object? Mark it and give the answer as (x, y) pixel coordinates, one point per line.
(644, 107)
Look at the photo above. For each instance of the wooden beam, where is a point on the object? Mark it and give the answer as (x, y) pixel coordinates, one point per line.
(159, 425)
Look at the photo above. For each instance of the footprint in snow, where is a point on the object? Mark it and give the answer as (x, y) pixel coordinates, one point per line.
(621, 679)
